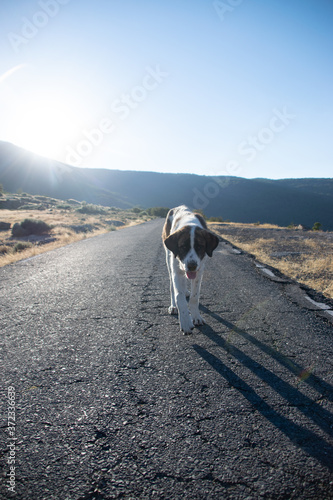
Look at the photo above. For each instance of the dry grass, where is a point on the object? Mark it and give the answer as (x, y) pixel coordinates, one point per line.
(305, 256)
(63, 238)
(62, 235)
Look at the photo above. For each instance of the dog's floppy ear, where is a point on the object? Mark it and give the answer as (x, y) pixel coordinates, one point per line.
(171, 242)
(211, 242)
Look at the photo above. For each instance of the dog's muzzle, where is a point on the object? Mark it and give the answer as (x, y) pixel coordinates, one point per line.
(191, 269)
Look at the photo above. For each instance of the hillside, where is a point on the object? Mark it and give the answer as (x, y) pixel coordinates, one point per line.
(299, 201)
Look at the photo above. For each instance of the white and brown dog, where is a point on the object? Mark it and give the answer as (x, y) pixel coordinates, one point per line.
(187, 243)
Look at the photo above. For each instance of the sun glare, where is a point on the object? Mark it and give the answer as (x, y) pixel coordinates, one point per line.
(45, 128)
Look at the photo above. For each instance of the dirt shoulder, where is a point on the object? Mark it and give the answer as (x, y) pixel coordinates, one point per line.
(306, 256)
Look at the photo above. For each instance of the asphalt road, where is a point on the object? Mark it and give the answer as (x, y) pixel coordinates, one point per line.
(112, 401)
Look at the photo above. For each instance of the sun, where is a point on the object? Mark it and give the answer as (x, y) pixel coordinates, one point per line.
(45, 127)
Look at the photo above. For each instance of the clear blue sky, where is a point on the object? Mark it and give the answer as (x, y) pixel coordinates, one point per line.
(231, 87)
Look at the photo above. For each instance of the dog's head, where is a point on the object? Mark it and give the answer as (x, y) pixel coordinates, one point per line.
(190, 245)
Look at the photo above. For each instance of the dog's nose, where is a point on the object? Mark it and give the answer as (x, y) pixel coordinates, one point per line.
(191, 266)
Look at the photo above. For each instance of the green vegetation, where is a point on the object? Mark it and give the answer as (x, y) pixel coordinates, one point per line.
(215, 219)
(91, 209)
(316, 226)
(30, 226)
(158, 211)
(22, 245)
(4, 249)
(64, 206)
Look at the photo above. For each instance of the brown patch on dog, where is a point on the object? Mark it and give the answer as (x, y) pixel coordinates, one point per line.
(200, 242)
(211, 242)
(179, 242)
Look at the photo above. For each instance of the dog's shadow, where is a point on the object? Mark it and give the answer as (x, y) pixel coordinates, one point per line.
(304, 437)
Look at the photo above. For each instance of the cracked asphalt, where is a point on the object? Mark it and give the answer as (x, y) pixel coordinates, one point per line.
(112, 401)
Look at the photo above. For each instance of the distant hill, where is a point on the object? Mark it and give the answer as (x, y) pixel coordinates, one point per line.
(299, 201)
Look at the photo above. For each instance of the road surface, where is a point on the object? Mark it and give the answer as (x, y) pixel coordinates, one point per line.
(110, 400)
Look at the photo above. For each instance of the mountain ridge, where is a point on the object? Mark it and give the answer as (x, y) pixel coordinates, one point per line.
(284, 201)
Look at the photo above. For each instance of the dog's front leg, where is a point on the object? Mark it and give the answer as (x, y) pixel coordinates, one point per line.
(185, 320)
(194, 299)
(169, 260)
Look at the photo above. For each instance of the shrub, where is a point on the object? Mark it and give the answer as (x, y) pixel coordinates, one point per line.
(215, 219)
(64, 207)
(158, 211)
(4, 249)
(18, 231)
(30, 226)
(91, 209)
(82, 228)
(4, 226)
(43, 198)
(23, 245)
(31, 206)
(316, 226)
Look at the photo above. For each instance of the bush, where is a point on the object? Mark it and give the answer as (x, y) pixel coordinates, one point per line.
(19, 247)
(4, 249)
(31, 206)
(215, 219)
(158, 211)
(30, 226)
(316, 226)
(64, 207)
(82, 228)
(91, 209)
(44, 199)
(18, 231)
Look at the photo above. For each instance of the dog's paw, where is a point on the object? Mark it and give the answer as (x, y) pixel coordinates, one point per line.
(172, 310)
(186, 325)
(199, 321)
